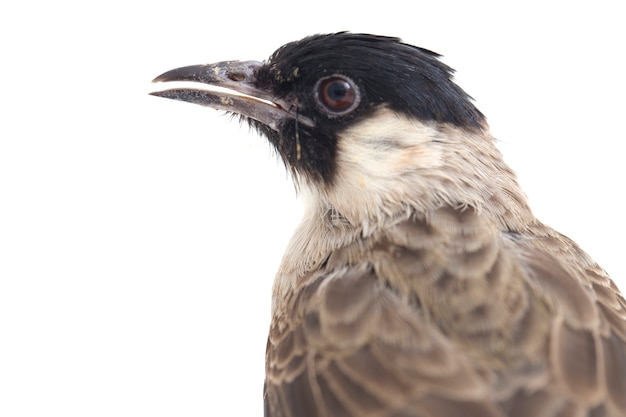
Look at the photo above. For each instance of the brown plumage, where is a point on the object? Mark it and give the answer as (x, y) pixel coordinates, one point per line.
(443, 315)
(419, 283)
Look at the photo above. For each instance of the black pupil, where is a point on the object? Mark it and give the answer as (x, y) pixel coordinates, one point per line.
(337, 91)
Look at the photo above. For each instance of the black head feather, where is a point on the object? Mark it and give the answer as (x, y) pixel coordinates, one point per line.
(407, 79)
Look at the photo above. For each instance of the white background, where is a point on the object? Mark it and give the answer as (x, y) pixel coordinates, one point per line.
(139, 236)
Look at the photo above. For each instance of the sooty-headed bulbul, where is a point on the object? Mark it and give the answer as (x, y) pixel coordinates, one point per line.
(419, 283)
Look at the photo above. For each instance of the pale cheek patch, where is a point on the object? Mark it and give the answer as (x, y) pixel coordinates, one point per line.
(385, 145)
(382, 163)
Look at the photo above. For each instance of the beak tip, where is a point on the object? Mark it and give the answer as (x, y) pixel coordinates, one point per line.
(190, 73)
(171, 94)
(166, 76)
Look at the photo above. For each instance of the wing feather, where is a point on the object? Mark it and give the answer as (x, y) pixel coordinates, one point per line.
(444, 317)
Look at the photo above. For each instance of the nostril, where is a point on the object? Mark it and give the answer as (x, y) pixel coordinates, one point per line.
(236, 76)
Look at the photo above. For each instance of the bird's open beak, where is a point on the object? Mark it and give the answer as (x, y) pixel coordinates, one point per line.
(229, 86)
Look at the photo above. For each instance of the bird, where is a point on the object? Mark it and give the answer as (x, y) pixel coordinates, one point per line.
(419, 282)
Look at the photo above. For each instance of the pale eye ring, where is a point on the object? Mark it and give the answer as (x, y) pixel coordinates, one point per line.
(337, 95)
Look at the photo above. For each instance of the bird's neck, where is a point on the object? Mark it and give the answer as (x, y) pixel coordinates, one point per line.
(404, 170)
(324, 231)
(389, 164)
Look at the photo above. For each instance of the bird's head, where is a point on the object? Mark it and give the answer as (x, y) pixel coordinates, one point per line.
(367, 123)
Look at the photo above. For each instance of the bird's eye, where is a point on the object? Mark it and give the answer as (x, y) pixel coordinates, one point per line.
(337, 94)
